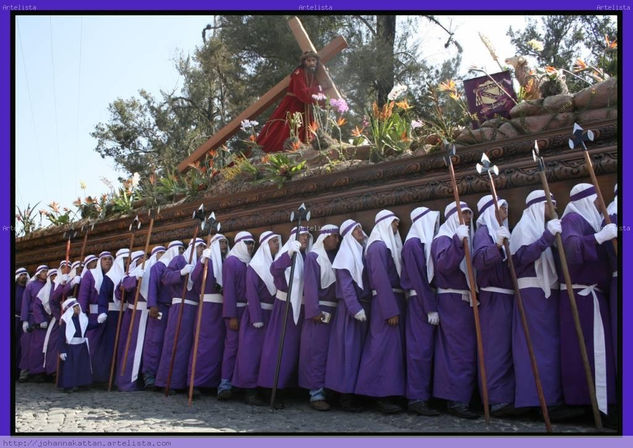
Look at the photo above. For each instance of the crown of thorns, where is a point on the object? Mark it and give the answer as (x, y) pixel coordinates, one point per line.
(309, 54)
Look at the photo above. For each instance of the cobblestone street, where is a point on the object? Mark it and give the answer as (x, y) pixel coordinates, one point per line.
(39, 407)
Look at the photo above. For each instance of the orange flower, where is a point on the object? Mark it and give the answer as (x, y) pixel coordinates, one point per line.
(266, 158)
(252, 138)
(404, 105)
(357, 132)
(580, 65)
(312, 127)
(152, 178)
(387, 110)
(212, 152)
(404, 137)
(341, 121)
(375, 111)
(55, 206)
(550, 70)
(89, 200)
(611, 44)
(447, 86)
(77, 203)
(296, 145)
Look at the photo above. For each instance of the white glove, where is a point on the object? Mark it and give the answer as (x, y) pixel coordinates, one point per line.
(44, 324)
(186, 270)
(206, 254)
(101, 318)
(64, 279)
(25, 326)
(433, 318)
(462, 231)
(607, 233)
(554, 226)
(75, 281)
(63, 356)
(360, 316)
(258, 324)
(294, 246)
(502, 234)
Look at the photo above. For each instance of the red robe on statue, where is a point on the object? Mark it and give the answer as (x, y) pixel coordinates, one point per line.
(298, 99)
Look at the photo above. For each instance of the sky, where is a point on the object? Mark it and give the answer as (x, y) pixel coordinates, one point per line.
(70, 68)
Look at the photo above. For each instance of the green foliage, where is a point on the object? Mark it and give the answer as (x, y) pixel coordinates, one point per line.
(26, 217)
(58, 216)
(281, 168)
(565, 38)
(170, 187)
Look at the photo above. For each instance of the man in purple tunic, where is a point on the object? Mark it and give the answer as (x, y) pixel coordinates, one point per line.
(455, 368)
(37, 295)
(158, 301)
(422, 317)
(21, 278)
(256, 284)
(212, 332)
(75, 369)
(382, 367)
(128, 380)
(535, 264)
(319, 297)
(349, 328)
(585, 241)
(88, 294)
(174, 278)
(496, 298)
(280, 269)
(101, 339)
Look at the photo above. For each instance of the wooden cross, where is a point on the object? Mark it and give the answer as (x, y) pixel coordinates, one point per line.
(325, 54)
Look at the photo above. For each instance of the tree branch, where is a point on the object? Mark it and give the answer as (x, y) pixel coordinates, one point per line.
(367, 24)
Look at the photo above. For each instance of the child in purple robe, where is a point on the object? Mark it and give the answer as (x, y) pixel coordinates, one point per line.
(73, 347)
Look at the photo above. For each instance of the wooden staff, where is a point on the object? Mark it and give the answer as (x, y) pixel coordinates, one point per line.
(136, 294)
(579, 138)
(486, 167)
(303, 213)
(214, 227)
(136, 224)
(570, 290)
(199, 215)
(81, 256)
(471, 280)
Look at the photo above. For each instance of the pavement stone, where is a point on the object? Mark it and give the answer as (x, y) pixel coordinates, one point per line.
(40, 408)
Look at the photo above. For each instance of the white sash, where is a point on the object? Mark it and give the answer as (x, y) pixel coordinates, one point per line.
(328, 303)
(140, 337)
(49, 330)
(498, 290)
(463, 292)
(599, 348)
(213, 298)
(177, 300)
